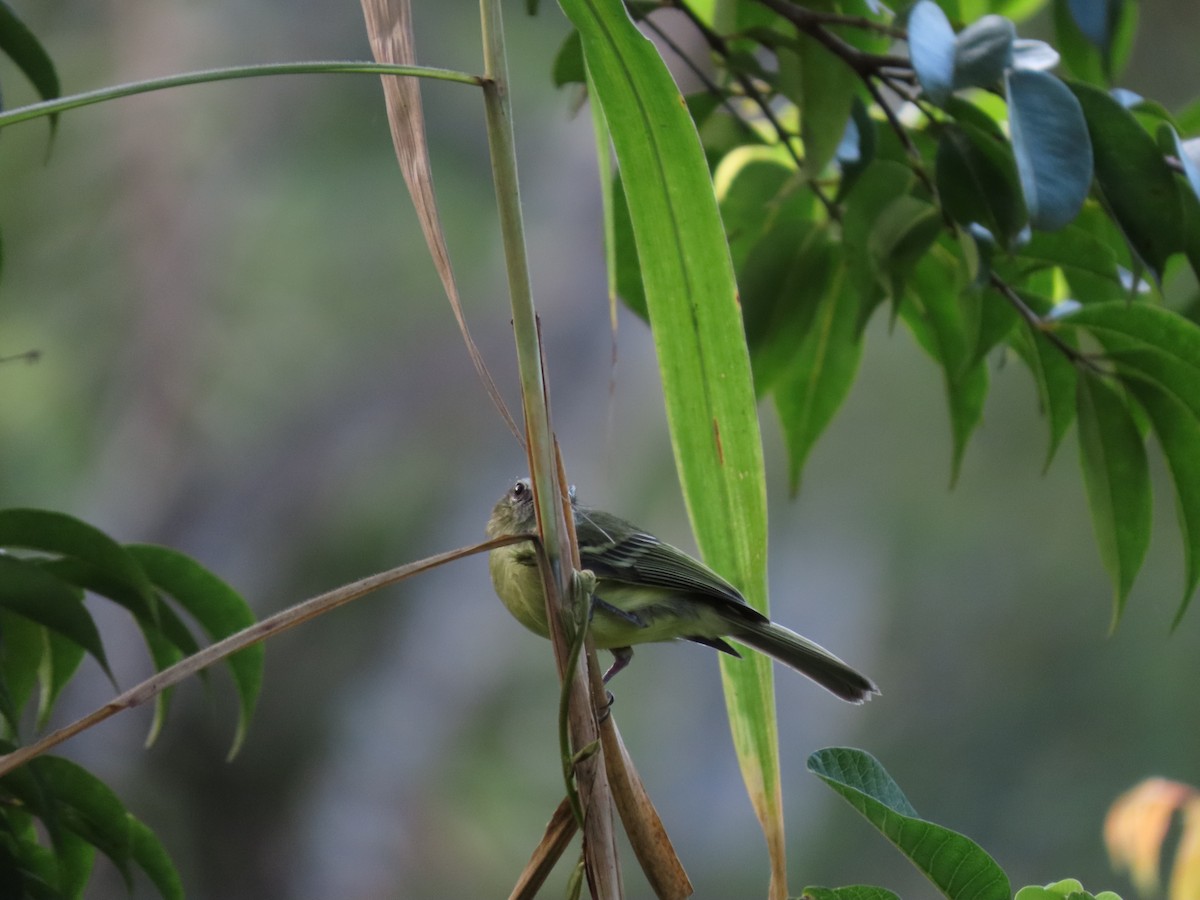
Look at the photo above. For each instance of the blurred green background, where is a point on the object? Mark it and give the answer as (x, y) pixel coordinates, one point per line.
(246, 355)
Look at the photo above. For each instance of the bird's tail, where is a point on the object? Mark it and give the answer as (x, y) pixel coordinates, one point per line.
(808, 659)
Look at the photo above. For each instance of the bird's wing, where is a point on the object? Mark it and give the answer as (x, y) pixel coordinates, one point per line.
(640, 558)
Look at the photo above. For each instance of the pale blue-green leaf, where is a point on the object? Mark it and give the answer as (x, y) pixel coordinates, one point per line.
(1034, 55)
(931, 47)
(1096, 19)
(1051, 145)
(982, 51)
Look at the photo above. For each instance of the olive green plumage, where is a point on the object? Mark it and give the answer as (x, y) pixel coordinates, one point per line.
(646, 591)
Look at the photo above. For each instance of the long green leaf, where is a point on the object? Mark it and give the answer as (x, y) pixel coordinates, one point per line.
(1117, 478)
(21, 45)
(702, 354)
(37, 595)
(218, 608)
(1053, 373)
(1178, 433)
(956, 865)
(820, 373)
(1148, 341)
(1138, 186)
(57, 533)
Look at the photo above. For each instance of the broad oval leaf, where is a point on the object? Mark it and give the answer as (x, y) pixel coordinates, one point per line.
(982, 51)
(1117, 479)
(1138, 185)
(956, 865)
(931, 47)
(1051, 146)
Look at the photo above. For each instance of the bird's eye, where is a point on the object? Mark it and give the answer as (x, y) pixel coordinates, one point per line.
(520, 489)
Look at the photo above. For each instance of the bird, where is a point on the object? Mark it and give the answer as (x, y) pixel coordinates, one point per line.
(648, 591)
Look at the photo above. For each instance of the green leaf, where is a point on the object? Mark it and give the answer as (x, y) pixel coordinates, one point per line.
(1137, 184)
(782, 281)
(1118, 483)
(1147, 341)
(978, 183)
(931, 47)
(58, 533)
(1051, 147)
(68, 798)
(819, 374)
(23, 48)
(757, 191)
(856, 151)
(877, 187)
(1178, 433)
(1090, 265)
(22, 644)
(1067, 889)
(901, 235)
(1053, 373)
(27, 590)
(852, 892)
(625, 254)
(956, 865)
(568, 62)
(705, 367)
(59, 664)
(1096, 63)
(218, 608)
(827, 88)
(935, 313)
(152, 858)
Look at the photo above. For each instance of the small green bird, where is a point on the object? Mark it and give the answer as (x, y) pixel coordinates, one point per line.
(647, 590)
